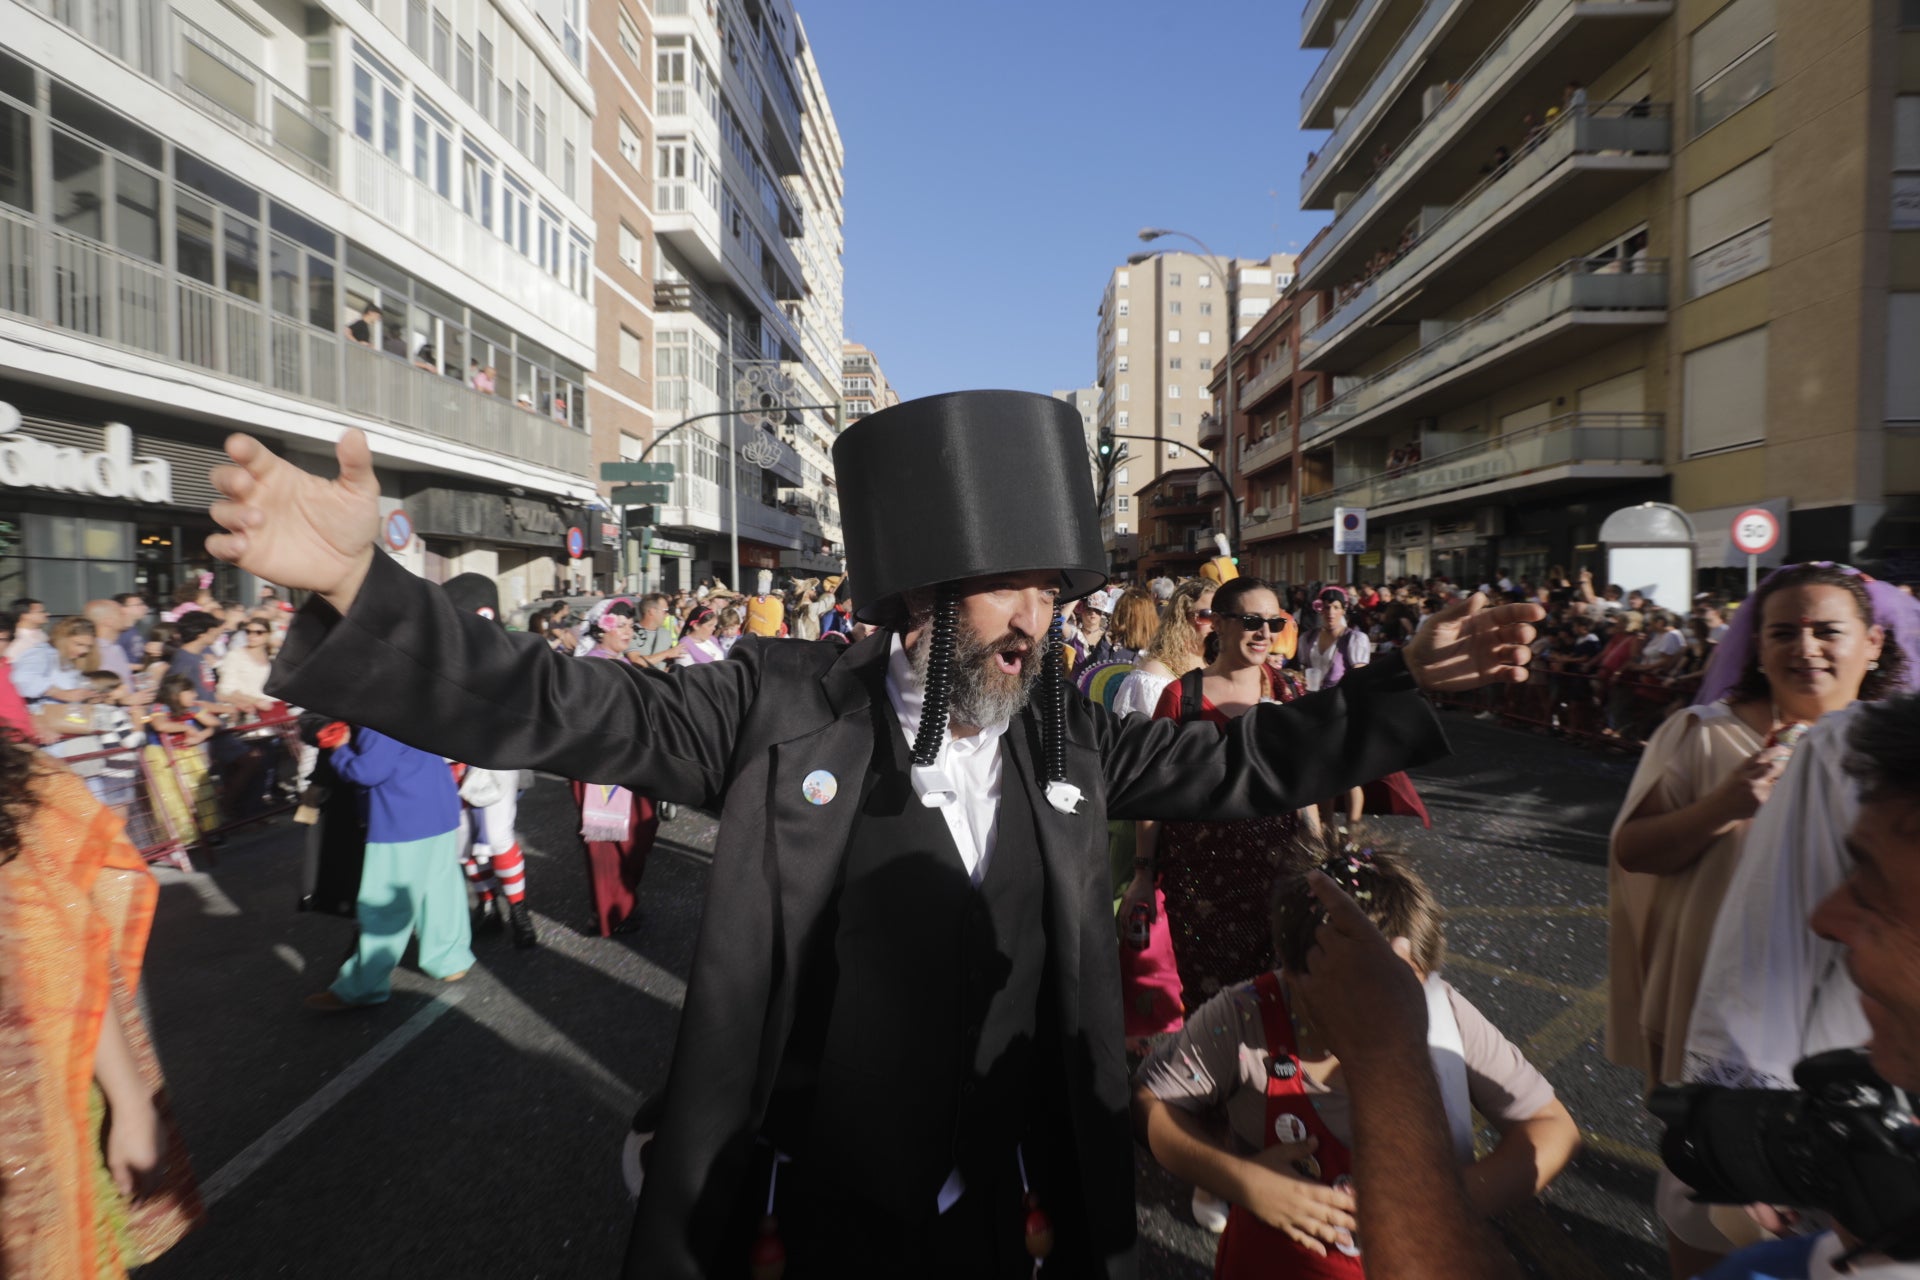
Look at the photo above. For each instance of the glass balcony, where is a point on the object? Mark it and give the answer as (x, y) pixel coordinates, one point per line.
(1264, 453)
(1358, 23)
(1594, 439)
(1618, 132)
(1272, 527)
(244, 98)
(67, 282)
(1404, 57)
(1610, 291)
(1258, 387)
(1540, 44)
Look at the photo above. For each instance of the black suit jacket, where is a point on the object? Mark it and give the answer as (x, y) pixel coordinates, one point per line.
(739, 736)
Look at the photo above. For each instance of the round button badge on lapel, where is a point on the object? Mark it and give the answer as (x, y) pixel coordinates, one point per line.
(819, 787)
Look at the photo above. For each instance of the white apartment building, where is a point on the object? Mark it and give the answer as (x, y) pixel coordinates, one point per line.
(747, 289)
(864, 388)
(200, 200)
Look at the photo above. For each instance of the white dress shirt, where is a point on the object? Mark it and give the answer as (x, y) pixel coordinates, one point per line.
(964, 781)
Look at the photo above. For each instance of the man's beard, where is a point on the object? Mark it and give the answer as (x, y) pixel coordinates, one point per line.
(982, 693)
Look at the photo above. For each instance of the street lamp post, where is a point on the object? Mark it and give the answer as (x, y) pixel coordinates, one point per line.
(1230, 279)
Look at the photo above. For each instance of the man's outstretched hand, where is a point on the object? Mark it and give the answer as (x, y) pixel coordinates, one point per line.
(1467, 644)
(293, 528)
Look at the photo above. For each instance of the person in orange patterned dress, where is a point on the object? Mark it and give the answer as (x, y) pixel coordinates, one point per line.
(94, 1179)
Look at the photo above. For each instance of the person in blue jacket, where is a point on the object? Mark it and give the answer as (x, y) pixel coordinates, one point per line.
(411, 882)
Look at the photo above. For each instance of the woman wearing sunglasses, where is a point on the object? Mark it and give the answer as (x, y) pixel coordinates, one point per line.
(1215, 875)
(242, 674)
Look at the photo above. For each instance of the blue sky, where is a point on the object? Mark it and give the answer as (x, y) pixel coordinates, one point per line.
(1002, 155)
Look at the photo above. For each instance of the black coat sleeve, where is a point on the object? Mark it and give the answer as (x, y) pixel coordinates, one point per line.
(404, 661)
(1276, 757)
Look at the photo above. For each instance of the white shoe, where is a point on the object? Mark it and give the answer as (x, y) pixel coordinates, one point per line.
(1486, 715)
(1209, 1210)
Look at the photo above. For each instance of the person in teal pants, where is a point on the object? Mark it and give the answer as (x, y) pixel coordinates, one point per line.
(411, 883)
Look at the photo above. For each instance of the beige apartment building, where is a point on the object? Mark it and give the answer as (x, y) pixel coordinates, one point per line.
(863, 385)
(1162, 324)
(1584, 255)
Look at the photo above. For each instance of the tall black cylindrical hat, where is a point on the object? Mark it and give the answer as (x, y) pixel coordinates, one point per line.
(965, 484)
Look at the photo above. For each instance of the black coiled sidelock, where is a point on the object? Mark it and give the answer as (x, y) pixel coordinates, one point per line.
(1053, 685)
(937, 690)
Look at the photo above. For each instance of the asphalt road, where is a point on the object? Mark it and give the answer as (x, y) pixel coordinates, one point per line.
(474, 1129)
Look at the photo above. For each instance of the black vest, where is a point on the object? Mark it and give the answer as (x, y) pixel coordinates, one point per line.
(912, 1044)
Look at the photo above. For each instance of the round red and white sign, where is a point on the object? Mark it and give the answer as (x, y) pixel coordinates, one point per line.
(1755, 531)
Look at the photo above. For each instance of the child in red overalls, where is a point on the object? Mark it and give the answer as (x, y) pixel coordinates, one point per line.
(1245, 1102)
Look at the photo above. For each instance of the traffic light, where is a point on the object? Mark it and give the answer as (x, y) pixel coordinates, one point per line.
(640, 517)
(1106, 442)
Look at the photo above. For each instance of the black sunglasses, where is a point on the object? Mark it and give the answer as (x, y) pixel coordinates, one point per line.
(258, 631)
(1254, 622)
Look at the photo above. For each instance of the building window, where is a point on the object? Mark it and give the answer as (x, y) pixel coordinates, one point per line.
(1206, 337)
(433, 149)
(1120, 529)
(1120, 420)
(1728, 231)
(1173, 450)
(1724, 395)
(1173, 391)
(1903, 371)
(569, 169)
(1120, 363)
(1175, 420)
(1906, 158)
(1120, 307)
(483, 88)
(1126, 392)
(1204, 280)
(1173, 308)
(376, 106)
(1123, 503)
(522, 118)
(1120, 279)
(1206, 362)
(1120, 476)
(1173, 335)
(630, 40)
(630, 352)
(630, 145)
(1120, 335)
(463, 71)
(1173, 362)
(1731, 61)
(417, 28)
(1173, 280)
(540, 139)
(476, 185)
(443, 47)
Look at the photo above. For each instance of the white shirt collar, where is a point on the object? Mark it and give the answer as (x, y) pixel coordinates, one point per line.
(933, 783)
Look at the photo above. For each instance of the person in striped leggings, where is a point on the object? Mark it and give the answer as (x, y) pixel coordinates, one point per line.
(489, 845)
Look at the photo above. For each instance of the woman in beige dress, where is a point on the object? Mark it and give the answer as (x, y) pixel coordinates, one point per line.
(1704, 774)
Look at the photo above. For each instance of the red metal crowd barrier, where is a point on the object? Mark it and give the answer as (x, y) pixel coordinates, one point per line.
(1619, 711)
(176, 801)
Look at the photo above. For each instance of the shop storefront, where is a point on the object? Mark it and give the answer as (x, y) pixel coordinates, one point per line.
(519, 541)
(98, 498)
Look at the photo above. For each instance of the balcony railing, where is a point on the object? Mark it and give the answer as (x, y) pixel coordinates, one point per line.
(1360, 20)
(1274, 525)
(1617, 128)
(1585, 284)
(241, 96)
(1277, 445)
(1207, 486)
(1266, 380)
(66, 282)
(1424, 24)
(1575, 437)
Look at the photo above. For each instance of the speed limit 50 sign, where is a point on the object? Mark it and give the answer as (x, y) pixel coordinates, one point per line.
(1755, 531)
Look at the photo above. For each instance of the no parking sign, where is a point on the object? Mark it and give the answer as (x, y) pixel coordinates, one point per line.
(576, 543)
